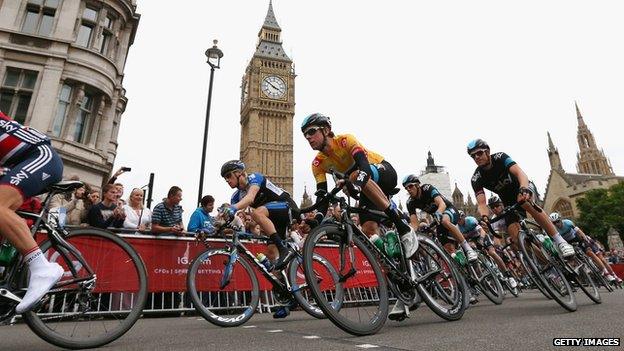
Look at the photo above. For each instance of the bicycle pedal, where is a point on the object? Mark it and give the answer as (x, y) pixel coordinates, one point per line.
(398, 317)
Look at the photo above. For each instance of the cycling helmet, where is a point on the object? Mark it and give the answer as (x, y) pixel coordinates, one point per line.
(315, 119)
(410, 179)
(555, 217)
(461, 213)
(494, 200)
(477, 144)
(232, 165)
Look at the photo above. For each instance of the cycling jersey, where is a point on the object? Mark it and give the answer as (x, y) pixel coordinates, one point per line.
(426, 202)
(497, 179)
(268, 191)
(340, 157)
(567, 230)
(16, 139)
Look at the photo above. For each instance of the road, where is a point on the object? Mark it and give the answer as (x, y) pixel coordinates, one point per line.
(529, 322)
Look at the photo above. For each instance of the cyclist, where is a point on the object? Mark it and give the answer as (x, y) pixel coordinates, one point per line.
(508, 255)
(427, 198)
(344, 153)
(502, 176)
(572, 234)
(469, 227)
(29, 164)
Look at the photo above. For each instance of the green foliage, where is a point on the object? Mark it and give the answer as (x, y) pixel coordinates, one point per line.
(600, 210)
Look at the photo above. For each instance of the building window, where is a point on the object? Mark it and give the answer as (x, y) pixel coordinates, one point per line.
(84, 116)
(40, 16)
(564, 208)
(87, 27)
(62, 110)
(17, 89)
(106, 35)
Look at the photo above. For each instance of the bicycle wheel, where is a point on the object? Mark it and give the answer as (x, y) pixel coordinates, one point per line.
(444, 290)
(365, 305)
(584, 279)
(547, 272)
(533, 278)
(596, 273)
(323, 269)
(504, 280)
(487, 280)
(223, 290)
(100, 307)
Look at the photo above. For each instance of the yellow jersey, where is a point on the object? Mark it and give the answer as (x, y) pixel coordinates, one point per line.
(340, 156)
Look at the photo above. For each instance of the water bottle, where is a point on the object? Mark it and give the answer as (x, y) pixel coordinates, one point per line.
(547, 243)
(392, 244)
(62, 216)
(8, 252)
(379, 242)
(459, 257)
(264, 261)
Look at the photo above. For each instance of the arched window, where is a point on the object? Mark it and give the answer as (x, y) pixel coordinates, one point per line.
(564, 207)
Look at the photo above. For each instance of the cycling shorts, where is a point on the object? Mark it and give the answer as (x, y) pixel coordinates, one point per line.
(36, 169)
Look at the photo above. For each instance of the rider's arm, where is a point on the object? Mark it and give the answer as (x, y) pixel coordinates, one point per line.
(414, 222)
(523, 179)
(364, 170)
(580, 233)
(482, 205)
(248, 199)
(441, 205)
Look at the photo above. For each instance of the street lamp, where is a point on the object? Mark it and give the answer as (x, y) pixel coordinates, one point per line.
(213, 55)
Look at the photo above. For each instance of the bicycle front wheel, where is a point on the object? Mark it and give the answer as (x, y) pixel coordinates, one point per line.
(86, 310)
(584, 280)
(223, 287)
(362, 283)
(487, 280)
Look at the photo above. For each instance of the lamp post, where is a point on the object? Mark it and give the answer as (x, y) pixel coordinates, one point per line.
(213, 55)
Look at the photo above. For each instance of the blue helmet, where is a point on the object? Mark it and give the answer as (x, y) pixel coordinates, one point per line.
(410, 179)
(477, 144)
(315, 119)
(232, 165)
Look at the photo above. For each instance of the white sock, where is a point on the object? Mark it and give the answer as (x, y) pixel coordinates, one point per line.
(558, 239)
(466, 246)
(36, 260)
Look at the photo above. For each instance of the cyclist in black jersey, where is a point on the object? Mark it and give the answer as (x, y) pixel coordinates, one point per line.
(502, 176)
(427, 198)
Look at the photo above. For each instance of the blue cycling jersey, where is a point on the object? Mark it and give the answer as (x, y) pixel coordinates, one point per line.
(567, 230)
(268, 191)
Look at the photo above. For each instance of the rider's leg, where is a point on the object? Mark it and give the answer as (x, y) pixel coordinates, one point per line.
(596, 260)
(606, 264)
(274, 218)
(260, 215)
(370, 228)
(459, 237)
(544, 222)
(499, 261)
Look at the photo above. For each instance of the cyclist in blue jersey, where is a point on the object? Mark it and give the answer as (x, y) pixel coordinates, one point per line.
(28, 164)
(501, 175)
(574, 234)
(470, 228)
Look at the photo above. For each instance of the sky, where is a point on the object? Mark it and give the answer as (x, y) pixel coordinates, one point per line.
(405, 77)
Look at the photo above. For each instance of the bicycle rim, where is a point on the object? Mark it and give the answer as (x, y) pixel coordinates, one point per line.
(365, 304)
(323, 269)
(488, 281)
(445, 292)
(551, 277)
(93, 315)
(586, 283)
(225, 293)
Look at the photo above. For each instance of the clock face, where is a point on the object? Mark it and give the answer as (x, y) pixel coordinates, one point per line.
(274, 87)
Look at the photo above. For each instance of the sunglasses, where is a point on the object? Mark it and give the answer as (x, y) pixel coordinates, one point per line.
(477, 154)
(311, 131)
(409, 186)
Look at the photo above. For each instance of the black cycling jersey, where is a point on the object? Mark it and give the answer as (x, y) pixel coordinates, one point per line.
(497, 179)
(426, 201)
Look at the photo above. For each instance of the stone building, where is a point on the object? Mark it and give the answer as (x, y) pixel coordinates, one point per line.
(595, 172)
(436, 176)
(268, 107)
(61, 72)
(469, 207)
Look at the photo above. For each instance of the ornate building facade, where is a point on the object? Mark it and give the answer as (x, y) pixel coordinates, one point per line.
(268, 107)
(61, 69)
(594, 169)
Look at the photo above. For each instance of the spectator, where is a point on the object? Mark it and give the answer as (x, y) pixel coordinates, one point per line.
(76, 208)
(120, 190)
(62, 199)
(137, 216)
(306, 226)
(119, 172)
(106, 213)
(201, 219)
(167, 215)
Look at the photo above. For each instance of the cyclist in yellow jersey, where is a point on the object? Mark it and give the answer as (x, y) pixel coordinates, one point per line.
(344, 153)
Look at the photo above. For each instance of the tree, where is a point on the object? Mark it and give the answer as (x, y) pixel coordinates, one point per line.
(601, 209)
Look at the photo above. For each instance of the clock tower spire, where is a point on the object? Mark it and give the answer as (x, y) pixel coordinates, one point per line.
(268, 107)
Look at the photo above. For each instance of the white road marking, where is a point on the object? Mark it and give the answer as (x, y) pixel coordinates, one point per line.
(249, 326)
(311, 337)
(366, 346)
(275, 331)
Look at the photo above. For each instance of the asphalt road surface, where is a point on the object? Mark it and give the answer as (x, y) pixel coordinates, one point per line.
(529, 322)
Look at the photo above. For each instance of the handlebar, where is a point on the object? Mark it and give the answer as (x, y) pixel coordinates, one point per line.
(508, 211)
(325, 196)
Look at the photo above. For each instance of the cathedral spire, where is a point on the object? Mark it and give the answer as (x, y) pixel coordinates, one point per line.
(553, 155)
(579, 116)
(590, 159)
(269, 38)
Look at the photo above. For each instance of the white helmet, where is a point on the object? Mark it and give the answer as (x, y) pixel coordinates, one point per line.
(554, 217)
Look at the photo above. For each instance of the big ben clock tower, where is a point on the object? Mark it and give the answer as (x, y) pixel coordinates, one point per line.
(268, 107)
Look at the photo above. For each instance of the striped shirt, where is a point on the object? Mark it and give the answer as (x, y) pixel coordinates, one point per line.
(16, 139)
(166, 217)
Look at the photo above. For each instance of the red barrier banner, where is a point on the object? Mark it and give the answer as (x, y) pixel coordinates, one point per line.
(618, 269)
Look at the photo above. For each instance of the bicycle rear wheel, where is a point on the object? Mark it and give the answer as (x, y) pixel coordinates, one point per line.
(102, 306)
(444, 290)
(323, 269)
(365, 306)
(224, 291)
(487, 279)
(533, 278)
(584, 280)
(548, 272)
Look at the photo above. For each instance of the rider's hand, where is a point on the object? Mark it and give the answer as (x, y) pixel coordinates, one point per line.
(525, 194)
(485, 220)
(438, 216)
(231, 212)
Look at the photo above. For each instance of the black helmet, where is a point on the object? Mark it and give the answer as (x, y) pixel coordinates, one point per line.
(477, 144)
(494, 200)
(232, 165)
(315, 119)
(410, 179)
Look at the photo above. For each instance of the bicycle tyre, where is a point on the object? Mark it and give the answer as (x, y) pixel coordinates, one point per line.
(557, 295)
(332, 232)
(38, 325)
(586, 283)
(492, 288)
(301, 291)
(533, 278)
(219, 315)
